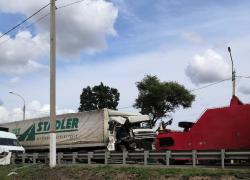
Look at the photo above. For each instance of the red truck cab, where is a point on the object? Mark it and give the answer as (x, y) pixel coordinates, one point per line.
(217, 128)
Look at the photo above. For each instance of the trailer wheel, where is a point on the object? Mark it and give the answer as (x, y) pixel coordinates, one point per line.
(208, 162)
(123, 148)
(163, 161)
(80, 160)
(99, 161)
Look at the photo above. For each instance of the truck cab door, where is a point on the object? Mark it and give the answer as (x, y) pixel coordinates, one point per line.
(243, 134)
(197, 141)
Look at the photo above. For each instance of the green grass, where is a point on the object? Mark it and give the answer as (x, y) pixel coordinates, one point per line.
(108, 172)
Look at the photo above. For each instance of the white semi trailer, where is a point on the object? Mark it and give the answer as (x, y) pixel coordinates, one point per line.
(90, 130)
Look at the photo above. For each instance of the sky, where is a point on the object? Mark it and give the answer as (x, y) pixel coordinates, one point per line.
(118, 42)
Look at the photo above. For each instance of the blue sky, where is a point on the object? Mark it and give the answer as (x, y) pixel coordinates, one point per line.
(118, 42)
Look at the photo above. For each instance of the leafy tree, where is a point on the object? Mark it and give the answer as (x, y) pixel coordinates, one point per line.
(160, 99)
(98, 97)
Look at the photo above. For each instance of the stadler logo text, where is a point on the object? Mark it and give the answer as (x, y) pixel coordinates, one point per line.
(63, 125)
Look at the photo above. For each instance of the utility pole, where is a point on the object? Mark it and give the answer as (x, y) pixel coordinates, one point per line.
(52, 151)
(233, 72)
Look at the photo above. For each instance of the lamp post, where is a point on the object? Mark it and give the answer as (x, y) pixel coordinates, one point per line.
(23, 104)
(233, 72)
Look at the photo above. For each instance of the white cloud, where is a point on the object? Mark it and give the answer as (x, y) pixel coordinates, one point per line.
(33, 110)
(29, 67)
(244, 88)
(15, 81)
(208, 68)
(35, 106)
(79, 27)
(16, 54)
(122, 6)
(6, 116)
(192, 37)
(19, 50)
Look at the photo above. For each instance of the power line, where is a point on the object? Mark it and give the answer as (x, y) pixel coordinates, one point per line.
(210, 85)
(197, 88)
(11, 114)
(24, 20)
(37, 111)
(125, 107)
(24, 28)
(69, 4)
(37, 21)
(243, 76)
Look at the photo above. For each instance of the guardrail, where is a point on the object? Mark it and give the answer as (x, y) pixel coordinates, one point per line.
(193, 155)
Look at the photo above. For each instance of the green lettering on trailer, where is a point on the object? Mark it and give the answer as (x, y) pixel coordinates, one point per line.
(40, 126)
(45, 125)
(68, 125)
(29, 134)
(75, 123)
(62, 125)
(58, 124)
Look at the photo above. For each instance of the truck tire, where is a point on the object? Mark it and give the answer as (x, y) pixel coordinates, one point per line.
(208, 162)
(99, 161)
(123, 148)
(80, 160)
(163, 161)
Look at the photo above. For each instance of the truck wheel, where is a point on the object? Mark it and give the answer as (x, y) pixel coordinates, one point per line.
(208, 162)
(81, 160)
(99, 161)
(123, 148)
(181, 162)
(163, 161)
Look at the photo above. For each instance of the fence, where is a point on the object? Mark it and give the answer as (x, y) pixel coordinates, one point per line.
(193, 155)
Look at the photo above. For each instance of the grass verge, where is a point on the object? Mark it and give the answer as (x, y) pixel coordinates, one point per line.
(115, 173)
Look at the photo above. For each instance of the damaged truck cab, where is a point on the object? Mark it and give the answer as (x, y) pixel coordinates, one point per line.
(130, 131)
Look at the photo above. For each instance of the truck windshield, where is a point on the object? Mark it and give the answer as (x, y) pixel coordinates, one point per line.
(9, 142)
(145, 124)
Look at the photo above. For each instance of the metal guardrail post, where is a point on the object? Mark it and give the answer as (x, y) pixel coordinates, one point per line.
(194, 156)
(24, 155)
(13, 158)
(90, 156)
(46, 155)
(125, 155)
(107, 155)
(60, 156)
(75, 155)
(223, 158)
(35, 156)
(146, 156)
(168, 156)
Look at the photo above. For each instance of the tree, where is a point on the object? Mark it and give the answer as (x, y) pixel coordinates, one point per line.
(160, 99)
(98, 97)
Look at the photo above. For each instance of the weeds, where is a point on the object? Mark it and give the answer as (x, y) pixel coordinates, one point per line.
(108, 172)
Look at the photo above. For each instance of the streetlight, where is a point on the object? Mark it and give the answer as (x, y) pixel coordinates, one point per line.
(23, 104)
(233, 72)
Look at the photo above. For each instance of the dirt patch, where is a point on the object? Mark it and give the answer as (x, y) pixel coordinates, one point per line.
(120, 173)
(64, 174)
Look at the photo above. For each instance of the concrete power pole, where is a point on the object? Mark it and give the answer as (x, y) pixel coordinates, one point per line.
(52, 162)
